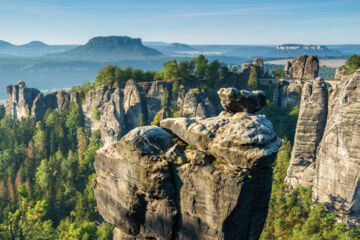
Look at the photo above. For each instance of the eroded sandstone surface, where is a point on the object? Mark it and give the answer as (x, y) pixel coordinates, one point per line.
(326, 151)
(303, 67)
(191, 178)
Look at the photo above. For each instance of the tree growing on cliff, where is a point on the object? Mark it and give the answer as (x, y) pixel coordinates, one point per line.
(253, 79)
(352, 64)
(277, 73)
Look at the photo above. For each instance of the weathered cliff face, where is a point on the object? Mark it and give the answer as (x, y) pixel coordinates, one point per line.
(152, 185)
(287, 93)
(154, 97)
(337, 181)
(309, 131)
(24, 102)
(103, 109)
(340, 72)
(326, 153)
(303, 67)
(114, 110)
(195, 104)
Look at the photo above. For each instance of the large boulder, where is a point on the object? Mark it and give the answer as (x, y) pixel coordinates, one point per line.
(228, 137)
(309, 131)
(233, 100)
(303, 67)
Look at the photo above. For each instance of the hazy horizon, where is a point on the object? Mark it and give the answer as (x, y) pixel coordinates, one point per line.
(227, 22)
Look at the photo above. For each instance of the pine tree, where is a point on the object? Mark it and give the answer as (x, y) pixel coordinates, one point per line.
(253, 81)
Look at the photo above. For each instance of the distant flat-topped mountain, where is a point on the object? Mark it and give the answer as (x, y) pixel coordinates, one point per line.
(300, 49)
(110, 48)
(284, 51)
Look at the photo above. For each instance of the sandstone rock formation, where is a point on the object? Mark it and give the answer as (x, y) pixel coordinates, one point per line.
(214, 183)
(303, 67)
(233, 100)
(114, 109)
(24, 102)
(287, 93)
(326, 153)
(257, 63)
(340, 72)
(337, 181)
(103, 109)
(195, 104)
(309, 131)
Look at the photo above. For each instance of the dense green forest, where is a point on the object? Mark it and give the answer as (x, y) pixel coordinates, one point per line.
(46, 167)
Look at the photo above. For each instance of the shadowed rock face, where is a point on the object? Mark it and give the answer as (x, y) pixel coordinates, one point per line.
(195, 104)
(152, 185)
(233, 100)
(326, 152)
(287, 93)
(303, 67)
(337, 181)
(309, 131)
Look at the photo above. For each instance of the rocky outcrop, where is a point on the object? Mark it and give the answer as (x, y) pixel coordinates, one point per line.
(196, 105)
(233, 100)
(134, 105)
(326, 152)
(57, 100)
(212, 183)
(24, 102)
(337, 181)
(154, 96)
(257, 63)
(287, 93)
(303, 67)
(113, 109)
(309, 131)
(30, 102)
(340, 72)
(103, 109)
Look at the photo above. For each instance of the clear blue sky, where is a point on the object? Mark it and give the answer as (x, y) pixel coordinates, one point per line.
(190, 21)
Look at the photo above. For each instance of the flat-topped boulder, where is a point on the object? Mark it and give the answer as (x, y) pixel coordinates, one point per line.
(228, 137)
(233, 100)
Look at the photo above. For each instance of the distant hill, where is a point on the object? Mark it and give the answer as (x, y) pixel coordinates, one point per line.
(31, 49)
(4, 44)
(293, 50)
(109, 48)
(180, 47)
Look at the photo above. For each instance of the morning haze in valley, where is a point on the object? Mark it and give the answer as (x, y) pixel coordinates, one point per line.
(177, 120)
